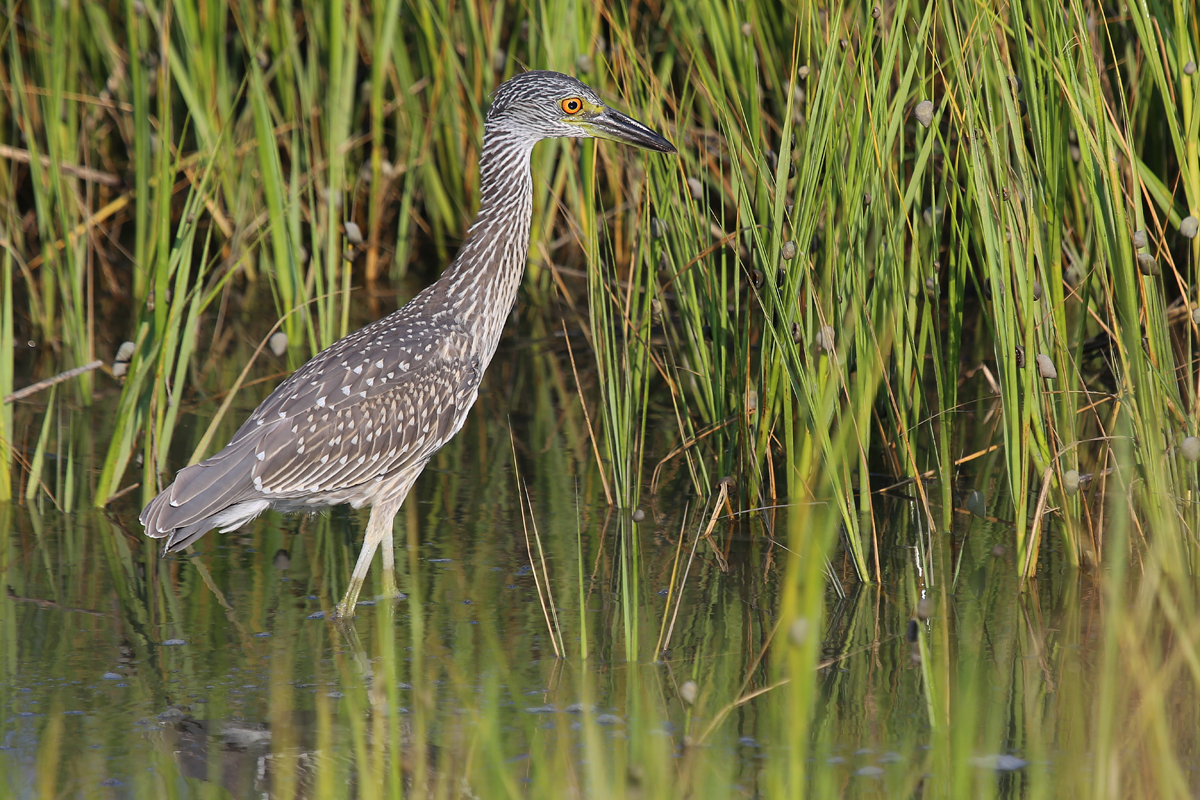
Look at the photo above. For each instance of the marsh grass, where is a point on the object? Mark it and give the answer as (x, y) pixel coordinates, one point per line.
(842, 306)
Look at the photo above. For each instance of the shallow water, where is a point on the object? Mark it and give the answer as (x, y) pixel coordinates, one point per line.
(128, 670)
(215, 674)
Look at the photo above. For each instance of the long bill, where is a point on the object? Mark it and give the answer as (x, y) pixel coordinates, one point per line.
(614, 125)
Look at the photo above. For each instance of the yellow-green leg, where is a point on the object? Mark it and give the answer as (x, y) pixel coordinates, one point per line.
(379, 532)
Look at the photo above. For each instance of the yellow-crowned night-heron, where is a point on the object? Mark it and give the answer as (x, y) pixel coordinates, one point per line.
(358, 422)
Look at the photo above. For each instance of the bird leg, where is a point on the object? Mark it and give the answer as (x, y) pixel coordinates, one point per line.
(379, 531)
(389, 562)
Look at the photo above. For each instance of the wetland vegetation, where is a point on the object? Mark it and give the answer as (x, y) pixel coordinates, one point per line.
(852, 452)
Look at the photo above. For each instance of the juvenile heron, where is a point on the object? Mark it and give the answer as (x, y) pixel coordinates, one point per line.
(359, 422)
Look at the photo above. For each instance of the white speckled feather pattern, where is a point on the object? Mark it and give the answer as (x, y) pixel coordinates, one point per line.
(358, 422)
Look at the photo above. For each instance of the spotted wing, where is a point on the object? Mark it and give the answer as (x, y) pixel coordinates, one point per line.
(368, 363)
(338, 446)
(380, 400)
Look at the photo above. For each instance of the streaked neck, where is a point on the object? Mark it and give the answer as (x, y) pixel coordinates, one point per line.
(482, 281)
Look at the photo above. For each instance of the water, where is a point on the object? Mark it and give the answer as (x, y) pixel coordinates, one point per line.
(132, 671)
(215, 674)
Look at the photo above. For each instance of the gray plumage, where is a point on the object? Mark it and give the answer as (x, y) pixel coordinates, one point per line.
(358, 422)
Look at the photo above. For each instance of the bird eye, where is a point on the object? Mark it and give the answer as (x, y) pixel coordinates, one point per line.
(572, 105)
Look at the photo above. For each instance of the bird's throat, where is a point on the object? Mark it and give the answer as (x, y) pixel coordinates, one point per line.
(482, 281)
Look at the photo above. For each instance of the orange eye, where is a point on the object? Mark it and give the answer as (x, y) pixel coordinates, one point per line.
(572, 105)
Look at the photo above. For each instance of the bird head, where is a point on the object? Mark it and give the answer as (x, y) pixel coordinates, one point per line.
(546, 105)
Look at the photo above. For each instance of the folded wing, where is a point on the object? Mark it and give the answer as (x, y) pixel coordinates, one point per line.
(359, 412)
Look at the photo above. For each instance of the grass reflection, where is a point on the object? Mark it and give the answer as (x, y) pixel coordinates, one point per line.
(207, 677)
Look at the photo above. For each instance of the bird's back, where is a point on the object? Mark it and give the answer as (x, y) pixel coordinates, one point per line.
(376, 403)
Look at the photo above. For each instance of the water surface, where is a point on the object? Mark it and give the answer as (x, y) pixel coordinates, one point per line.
(215, 673)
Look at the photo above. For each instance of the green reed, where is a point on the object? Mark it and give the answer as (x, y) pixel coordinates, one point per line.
(821, 297)
(7, 344)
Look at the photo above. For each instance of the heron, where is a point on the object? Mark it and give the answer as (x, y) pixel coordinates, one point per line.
(358, 423)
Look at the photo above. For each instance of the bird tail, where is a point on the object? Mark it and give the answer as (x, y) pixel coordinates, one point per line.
(216, 493)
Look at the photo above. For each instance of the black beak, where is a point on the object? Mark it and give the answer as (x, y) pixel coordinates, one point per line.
(616, 126)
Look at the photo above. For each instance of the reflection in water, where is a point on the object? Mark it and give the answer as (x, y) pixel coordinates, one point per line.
(277, 756)
(239, 752)
(144, 675)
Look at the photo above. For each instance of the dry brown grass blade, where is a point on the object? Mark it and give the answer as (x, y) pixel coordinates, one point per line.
(544, 595)
(79, 171)
(32, 389)
(723, 495)
(685, 446)
(587, 418)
